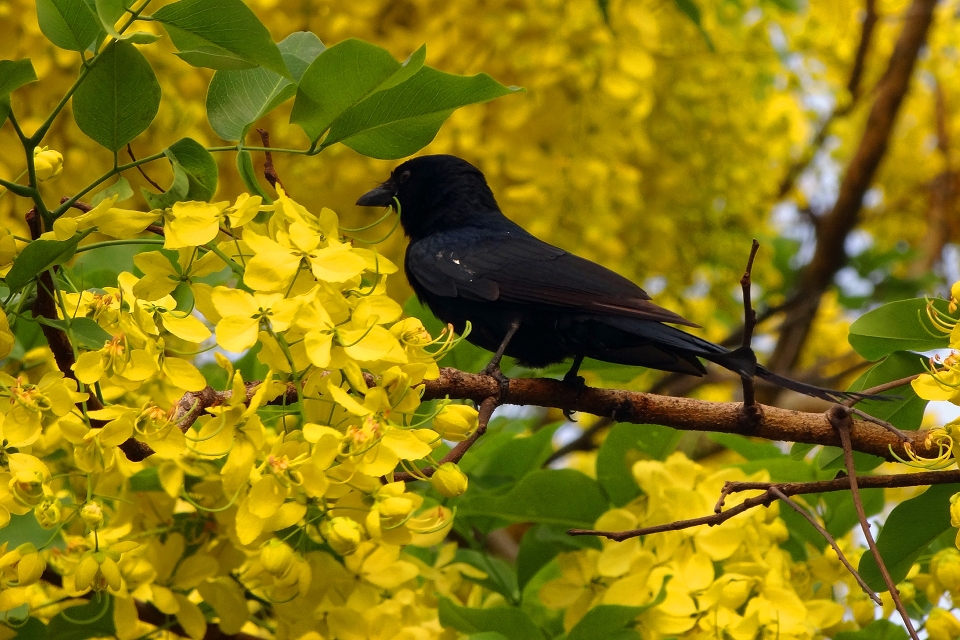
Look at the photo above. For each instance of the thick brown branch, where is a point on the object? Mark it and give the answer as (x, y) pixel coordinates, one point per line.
(834, 227)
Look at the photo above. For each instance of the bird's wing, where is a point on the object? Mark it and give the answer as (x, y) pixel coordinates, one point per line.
(513, 266)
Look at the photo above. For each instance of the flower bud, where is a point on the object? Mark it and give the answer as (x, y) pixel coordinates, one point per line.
(449, 481)
(955, 290)
(92, 514)
(942, 625)
(945, 567)
(908, 593)
(955, 510)
(48, 163)
(276, 557)
(456, 422)
(48, 512)
(342, 534)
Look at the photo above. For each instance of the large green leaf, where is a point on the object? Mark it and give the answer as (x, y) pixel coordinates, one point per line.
(513, 459)
(40, 255)
(747, 447)
(906, 411)
(121, 188)
(876, 630)
(624, 445)
(91, 620)
(69, 24)
(194, 175)
(513, 623)
(403, 119)
(908, 531)
(119, 98)
(237, 99)
(341, 77)
(582, 503)
(501, 577)
(86, 332)
(897, 326)
(541, 544)
(220, 34)
(13, 75)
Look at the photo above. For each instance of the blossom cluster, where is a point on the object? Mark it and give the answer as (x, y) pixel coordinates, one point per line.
(277, 501)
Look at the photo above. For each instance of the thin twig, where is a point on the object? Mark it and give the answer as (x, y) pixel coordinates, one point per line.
(143, 171)
(841, 420)
(829, 538)
(766, 498)
(80, 206)
(456, 454)
(750, 410)
(880, 388)
(883, 423)
(269, 170)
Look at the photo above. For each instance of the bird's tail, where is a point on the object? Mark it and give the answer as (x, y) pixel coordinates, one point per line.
(744, 362)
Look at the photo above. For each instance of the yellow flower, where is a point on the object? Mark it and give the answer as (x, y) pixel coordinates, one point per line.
(456, 422)
(449, 481)
(98, 570)
(31, 407)
(7, 339)
(160, 277)
(48, 163)
(942, 625)
(242, 315)
(343, 534)
(191, 224)
(21, 567)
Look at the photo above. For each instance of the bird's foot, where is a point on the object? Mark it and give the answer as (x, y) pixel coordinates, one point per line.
(493, 370)
(579, 384)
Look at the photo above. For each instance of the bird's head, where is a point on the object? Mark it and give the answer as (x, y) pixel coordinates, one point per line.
(435, 193)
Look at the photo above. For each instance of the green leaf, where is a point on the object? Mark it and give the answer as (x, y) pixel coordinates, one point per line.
(40, 255)
(906, 412)
(908, 531)
(541, 544)
(747, 447)
(897, 326)
(608, 620)
(109, 11)
(840, 513)
(220, 34)
(249, 176)
(91, 620)
(624, 445)
(121, 188)
(32, 629)
(500, 576)
(237, 99)
(690, 9)
(86, 332)
(69, 24)
(876, 630)
(338, 79)
(403, 119)
(146, 480)
(194, 175)
(119, 98)
(14, 74)
(516, 457)
(583, 501)
(513, 623)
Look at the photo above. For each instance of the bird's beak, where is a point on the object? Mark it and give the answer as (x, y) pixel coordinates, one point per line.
(381, 196)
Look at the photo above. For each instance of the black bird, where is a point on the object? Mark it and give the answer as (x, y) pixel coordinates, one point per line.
(528, 299)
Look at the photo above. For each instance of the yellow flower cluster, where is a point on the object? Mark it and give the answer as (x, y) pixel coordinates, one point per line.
(732, 580)
(292, 502)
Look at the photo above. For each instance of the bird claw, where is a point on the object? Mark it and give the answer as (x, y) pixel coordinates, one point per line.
(493, 370)
(579, 384)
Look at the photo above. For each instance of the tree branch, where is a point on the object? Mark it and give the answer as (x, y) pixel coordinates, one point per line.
(834, 227)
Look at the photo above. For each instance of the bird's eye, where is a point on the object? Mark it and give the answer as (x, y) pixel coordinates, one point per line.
(404, 177)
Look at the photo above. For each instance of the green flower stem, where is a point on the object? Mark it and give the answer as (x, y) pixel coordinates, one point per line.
(21, 190)
(114, 243)
(59, 211)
